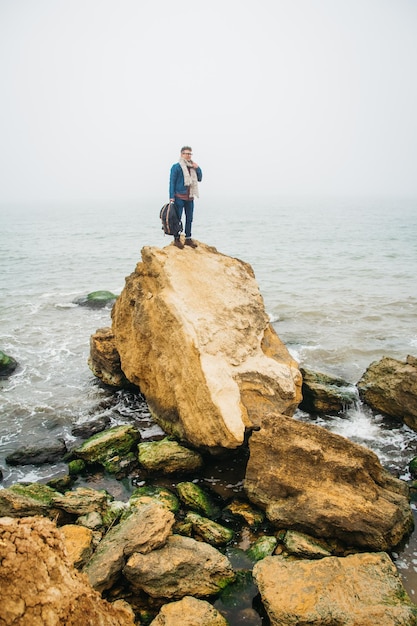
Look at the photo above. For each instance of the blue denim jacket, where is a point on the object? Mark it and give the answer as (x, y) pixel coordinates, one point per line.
(176, 180)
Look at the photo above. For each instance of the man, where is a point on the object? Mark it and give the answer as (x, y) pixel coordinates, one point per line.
(183, 188)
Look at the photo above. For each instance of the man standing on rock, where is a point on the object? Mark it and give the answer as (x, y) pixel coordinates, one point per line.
(183, 188)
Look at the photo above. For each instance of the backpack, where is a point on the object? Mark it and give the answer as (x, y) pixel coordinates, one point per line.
(171, 225)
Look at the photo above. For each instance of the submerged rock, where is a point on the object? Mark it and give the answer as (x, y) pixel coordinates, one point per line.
(38, 454)
(192, 333)
(325, 394)
(357, 590)
(314, 481)
(97, 299)
(390, 386)
(7, 365)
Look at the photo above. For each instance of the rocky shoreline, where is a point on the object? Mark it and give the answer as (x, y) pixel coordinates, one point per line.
(305, 538)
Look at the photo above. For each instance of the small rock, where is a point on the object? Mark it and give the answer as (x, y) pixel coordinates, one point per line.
(97, 299)
(168, 457)
(189, 612)
(197, 499)
(209, 531)
(7, 365)
(263, 546)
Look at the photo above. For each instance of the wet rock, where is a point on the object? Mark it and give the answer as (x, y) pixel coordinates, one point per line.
(239, 511)
(357, 590)
(146, 529)
(211, 532)
(7, 365)
(325, 394)
(314, 481)
(88, 429)
(81, 501)
(39, 585)
(390, 386)
(189, 612)
(38, 453)
(24, 500)
(220, 342)
(263, 546)
(76, 466)
(104, 359)
(195, 498)
(97, 299)
(78, 542)
(168, 457)
(302, 545)
(182, 567)
(111, 449)
(143, 495)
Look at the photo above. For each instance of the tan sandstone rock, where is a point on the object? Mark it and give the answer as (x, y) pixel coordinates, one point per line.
(78, 542)
(358, 590)
(192, 332)
(182, 567)
(189, 612)
(146, 529)
(309, 479)
(104, 360)
(39, 585)
(390, 386)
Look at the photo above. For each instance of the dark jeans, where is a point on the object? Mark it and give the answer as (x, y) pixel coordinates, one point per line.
(188, 206)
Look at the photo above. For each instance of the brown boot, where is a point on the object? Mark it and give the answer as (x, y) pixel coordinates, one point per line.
(178, 243)
(190, 242)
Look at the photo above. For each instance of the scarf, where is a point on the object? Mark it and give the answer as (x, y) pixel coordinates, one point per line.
(190, 177)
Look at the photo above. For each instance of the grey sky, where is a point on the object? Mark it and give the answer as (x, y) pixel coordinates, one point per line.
(275, 97)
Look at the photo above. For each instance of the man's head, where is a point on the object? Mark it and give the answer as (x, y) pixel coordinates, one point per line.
(186, 153)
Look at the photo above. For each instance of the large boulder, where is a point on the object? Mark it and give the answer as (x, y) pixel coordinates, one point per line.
(182, 567)
(358, 590)
(144, 530)
(390, 386)
(325, 394)
(192, 333)
(39, 585)
(309, 479)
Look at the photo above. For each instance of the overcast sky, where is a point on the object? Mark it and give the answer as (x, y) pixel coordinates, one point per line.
(275, 97)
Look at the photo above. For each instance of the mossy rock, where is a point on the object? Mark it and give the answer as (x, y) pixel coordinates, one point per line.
(211, 532)
(110, 448)
(412, 466)
(162, 494)
(168, 456)
(195, 498)
(97, 299)
(264, 546)
(7, 364)
(23, 500)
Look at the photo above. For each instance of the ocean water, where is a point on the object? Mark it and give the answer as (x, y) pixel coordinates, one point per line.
(338, 277)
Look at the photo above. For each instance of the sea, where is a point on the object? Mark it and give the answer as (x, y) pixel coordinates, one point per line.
(338, 277)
